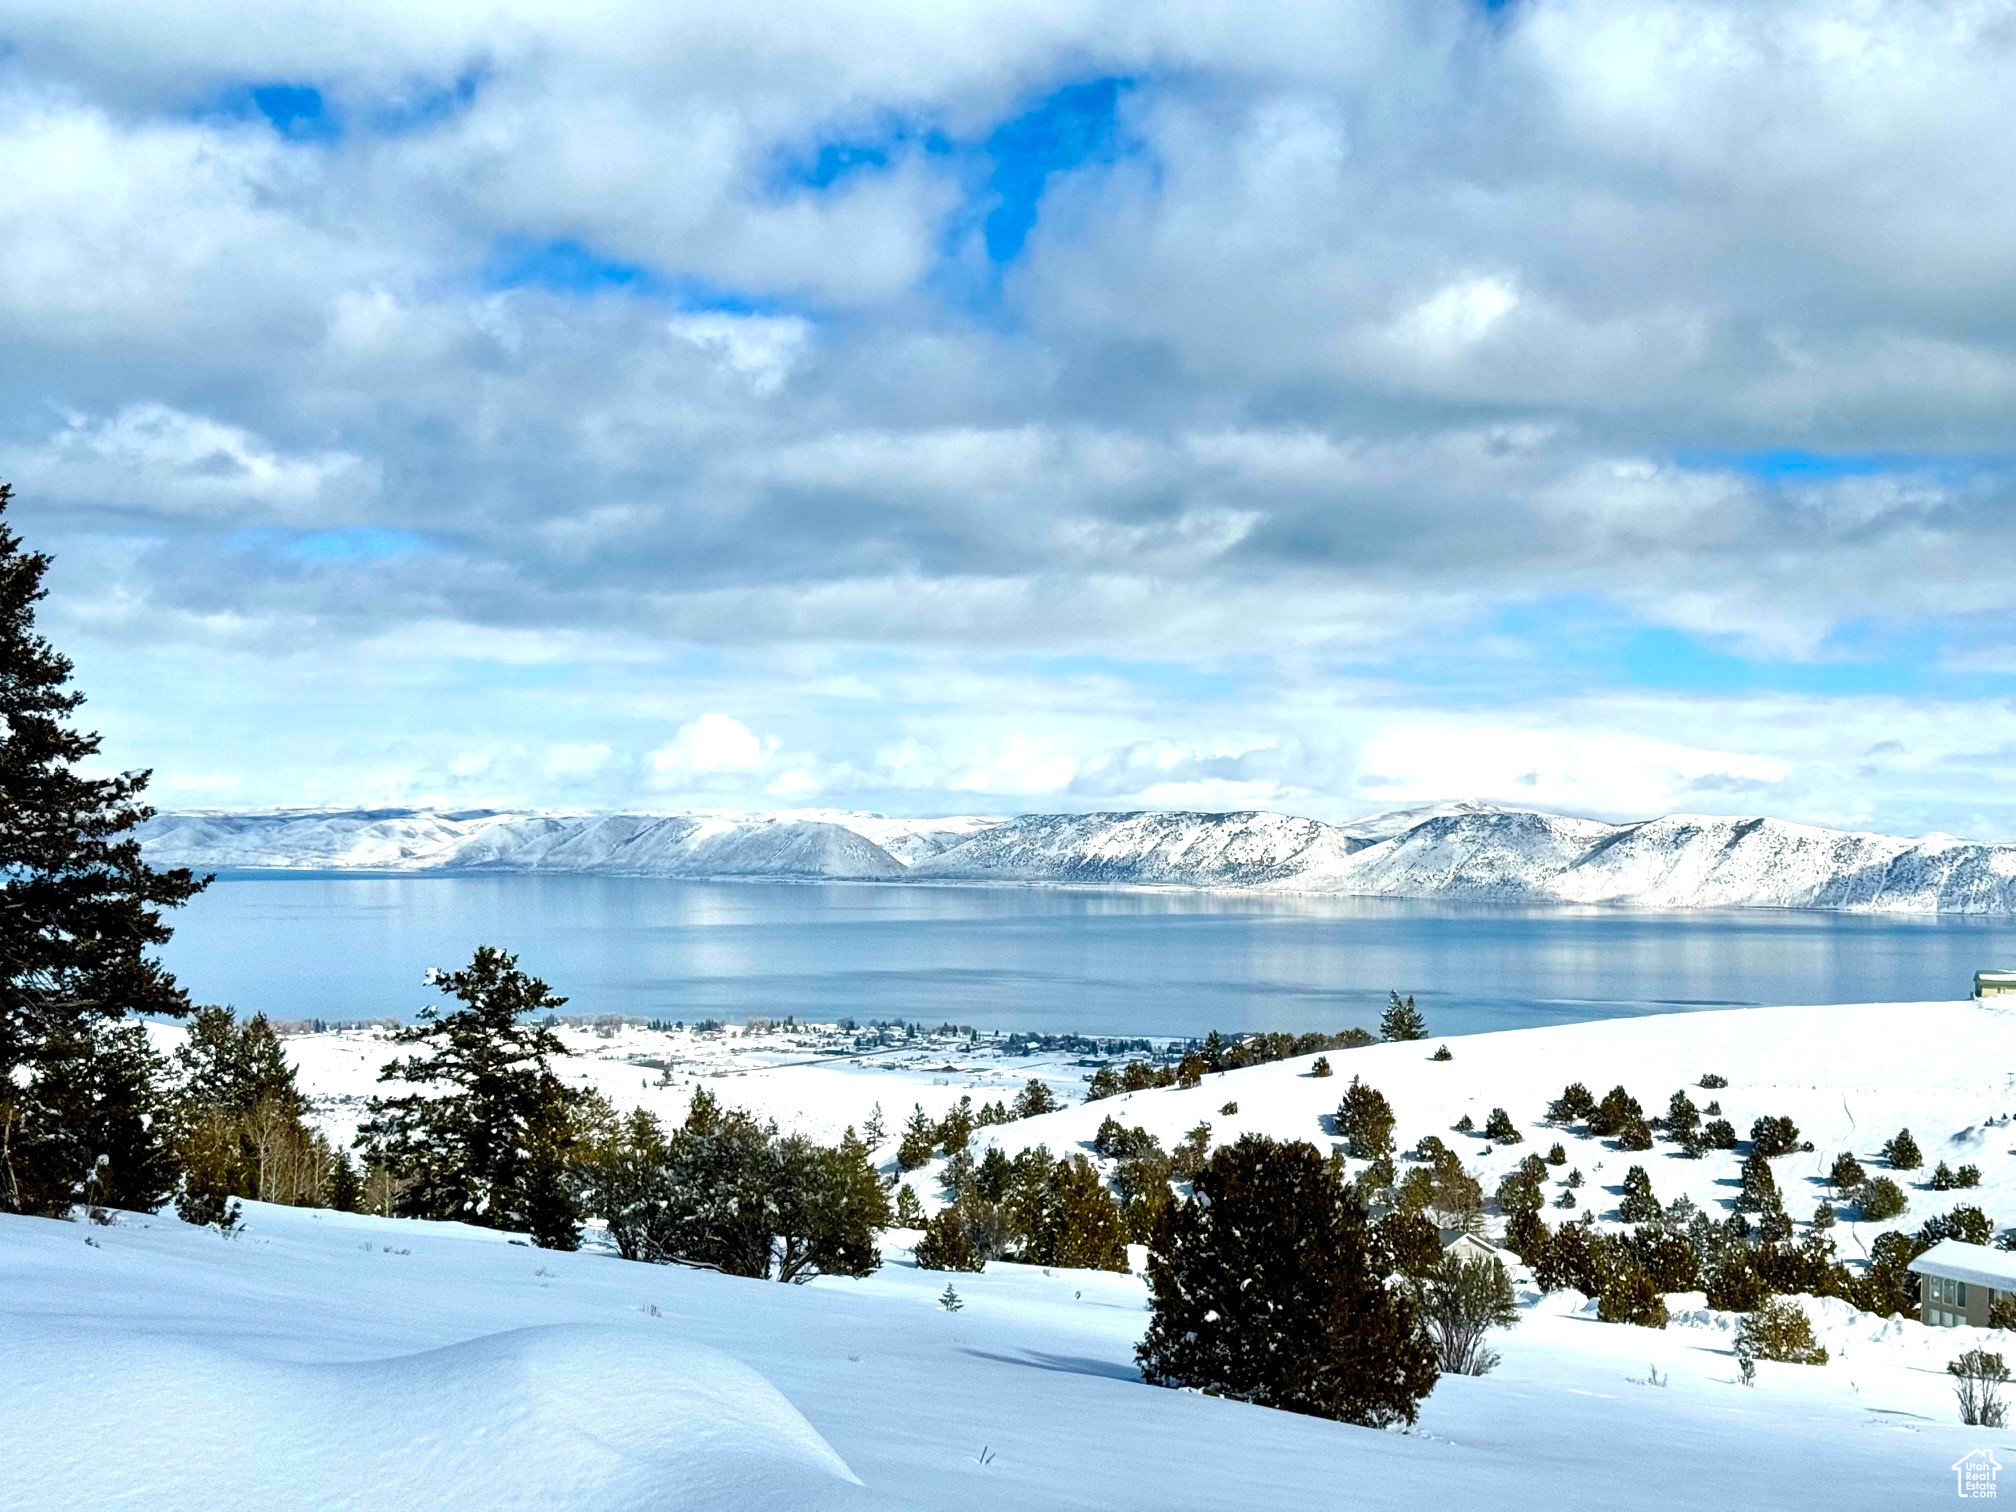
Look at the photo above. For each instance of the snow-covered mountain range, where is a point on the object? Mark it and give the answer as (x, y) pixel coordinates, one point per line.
(1462, 850)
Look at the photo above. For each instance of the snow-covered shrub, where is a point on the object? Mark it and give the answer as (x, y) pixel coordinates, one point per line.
(1878, 1199)
(1719, 1134)
(1500, 1128)
(1556, 1155)
(1617, 1111)
(1320, 1067)
(1778, 1329)
(1229, 1110)
(1365, 1119)
(1270, 1289)
(1966, 1223)
(1714, 1082)
(1639, 1205)
(1441, 1054)
(1846, 1173)
(1772, 1137)
(1902, 1152)
(1627, 1295)
(1572, 1106)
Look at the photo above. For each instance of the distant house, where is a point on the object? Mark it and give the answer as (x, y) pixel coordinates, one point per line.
(1958, 1283)
(1989, 984)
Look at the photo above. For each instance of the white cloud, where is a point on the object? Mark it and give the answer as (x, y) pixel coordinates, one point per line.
(710, 744)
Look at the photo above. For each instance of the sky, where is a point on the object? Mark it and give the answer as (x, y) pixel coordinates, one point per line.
(1607, 406)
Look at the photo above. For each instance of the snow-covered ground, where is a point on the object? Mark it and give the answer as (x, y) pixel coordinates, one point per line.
(323, 1359)
(1456, 850)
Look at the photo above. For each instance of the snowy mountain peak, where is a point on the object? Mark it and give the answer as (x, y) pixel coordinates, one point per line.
(1447, 850)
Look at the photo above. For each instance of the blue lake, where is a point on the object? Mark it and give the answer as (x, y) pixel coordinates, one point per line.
(1093, 962)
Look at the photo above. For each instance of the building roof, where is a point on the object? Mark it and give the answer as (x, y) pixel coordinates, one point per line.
(2001, 976)
(1976, 1263)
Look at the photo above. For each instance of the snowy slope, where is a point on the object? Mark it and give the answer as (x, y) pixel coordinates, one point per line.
(1459, 851)
(328, 1360)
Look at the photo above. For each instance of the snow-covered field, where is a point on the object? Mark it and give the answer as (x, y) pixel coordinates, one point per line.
(1456, 850)
(322, 1359)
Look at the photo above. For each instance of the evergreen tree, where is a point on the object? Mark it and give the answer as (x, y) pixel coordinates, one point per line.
(949, 1299)
(1683, 1119)
(1627, 1295)
(491, 1148)
(1401, 1020)
(955, 1129)
(1035, 1099)
(945, 1246)
(909, 1211)
(873, 1132)
(1572, 1106)
(919, 1142)
(1760, 1187)
(1639, 1204)
(1500, 1129)
(346, 1186)
(1080, 1226)
(1902, 1152)
(1320, 1067)
(1845, 1174)
(239, 1119)
(1271, 1289)
(80, 912)
(1365, 1119)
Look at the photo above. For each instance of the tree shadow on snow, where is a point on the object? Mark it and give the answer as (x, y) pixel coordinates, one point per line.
(1062, 1364)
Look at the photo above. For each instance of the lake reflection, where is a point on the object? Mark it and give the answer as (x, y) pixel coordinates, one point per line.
(1100, 962)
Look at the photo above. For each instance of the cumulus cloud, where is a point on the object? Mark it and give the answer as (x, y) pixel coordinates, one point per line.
(1068, 404)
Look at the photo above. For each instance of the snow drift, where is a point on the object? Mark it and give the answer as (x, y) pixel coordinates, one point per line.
(1459, 851)
(562, 1415)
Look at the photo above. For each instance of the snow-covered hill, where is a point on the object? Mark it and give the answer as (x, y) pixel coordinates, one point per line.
(324, 1360)
(1461, 851)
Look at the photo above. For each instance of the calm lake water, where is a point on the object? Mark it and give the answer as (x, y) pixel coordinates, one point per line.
(1115, 963)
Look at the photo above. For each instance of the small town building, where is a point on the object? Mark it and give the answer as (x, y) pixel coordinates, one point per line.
(1958, 1283)
(1989, 984)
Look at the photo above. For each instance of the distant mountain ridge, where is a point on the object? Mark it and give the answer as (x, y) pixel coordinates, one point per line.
(1471, 851)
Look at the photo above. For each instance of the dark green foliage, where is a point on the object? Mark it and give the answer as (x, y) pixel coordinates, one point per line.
(1845, 1174)
(1635, 1135)
(1218, 1054)
(238, 1121)
(1713, 1082)
(491, 1148)
(945, 1245)
(1320, 1067)
(1365, 1119)
(1569, 1262)
(1078, 1224)
(1461, 1301)
(1733, 1282)
(1556, 1155)
(1629, 1296)
(1639, 1205)
(1035, 1099)
(1500, 1129)
(1772, 1137)
(1142, 1182)
(919, 1142)
(729, 1194)
(1188, 1158)
(1901, 1150)
(1666, 1257)
(1966, 1223)
(1760, 1187)
(1409, 1244)
(1683, 1119)
(1526, 1236)
(1230, 1109)
(1719, 1134)
(80, 918)
(1272, 1290)
(909, 1211)
(346, 1184)
(1945, 1179)
(956, 1128)
(1780, 1330)
(1617, 1111)
(1887, 1287)
(1441, 1054)
(1520, 1193)
(1401, 1020)
(1823, 1215)
(2002, 1311)
(1878, 1199)
(1572, 1106)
